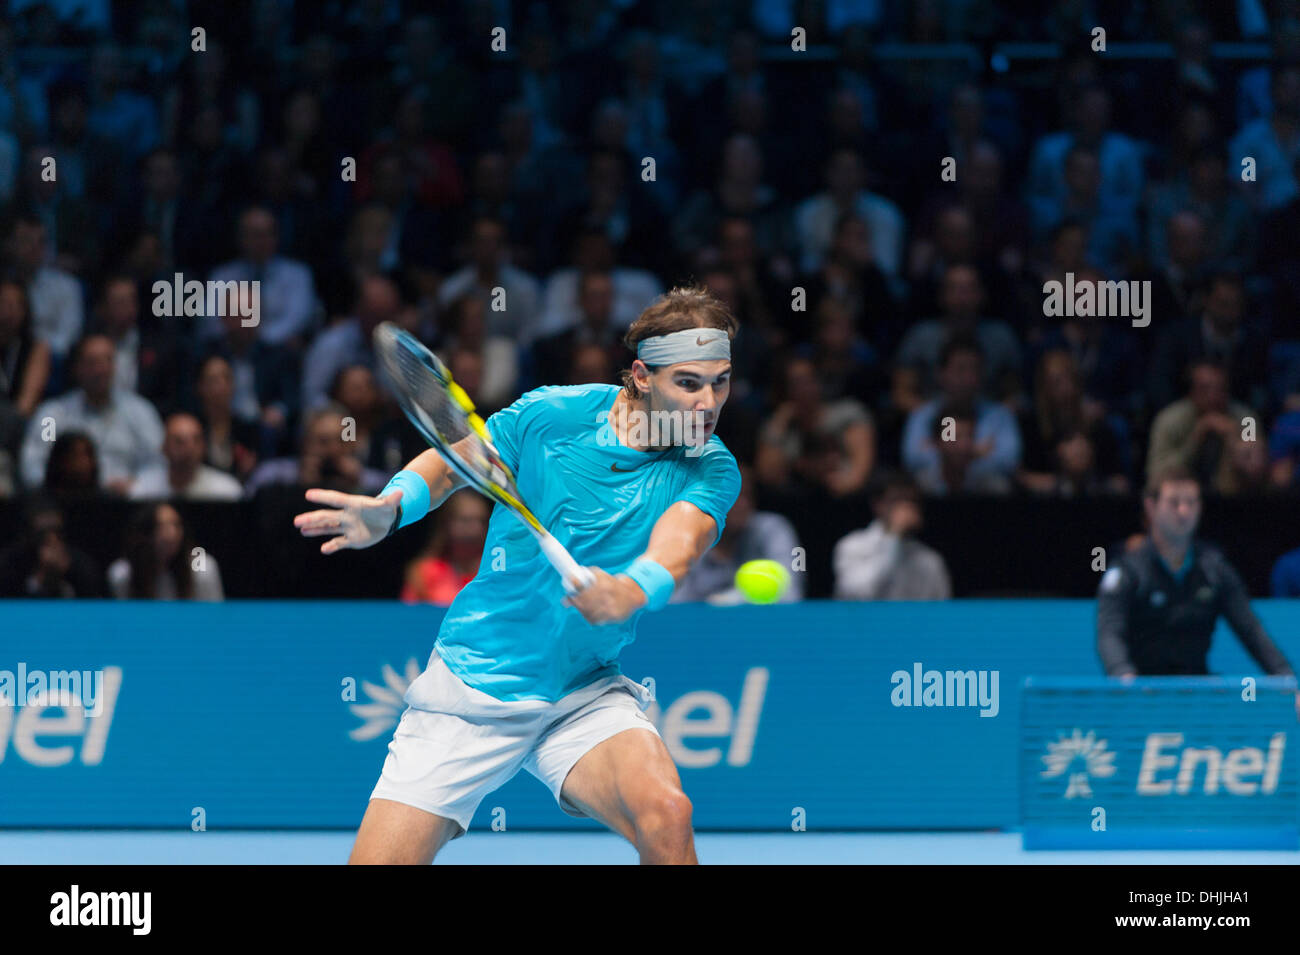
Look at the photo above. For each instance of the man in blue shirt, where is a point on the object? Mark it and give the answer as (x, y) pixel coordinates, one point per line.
(522, 676)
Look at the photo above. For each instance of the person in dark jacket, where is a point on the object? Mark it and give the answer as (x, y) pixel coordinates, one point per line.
(1157, 607)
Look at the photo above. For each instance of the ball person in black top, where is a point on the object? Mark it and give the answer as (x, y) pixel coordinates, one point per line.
(1158, 606)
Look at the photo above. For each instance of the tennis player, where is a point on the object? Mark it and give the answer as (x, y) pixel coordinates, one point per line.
(521, 675)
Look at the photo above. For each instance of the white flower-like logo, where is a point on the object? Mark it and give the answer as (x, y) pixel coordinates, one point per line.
(1097, 761)
(382, 713)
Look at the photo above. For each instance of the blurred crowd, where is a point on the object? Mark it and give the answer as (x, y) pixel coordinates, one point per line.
(372, 161)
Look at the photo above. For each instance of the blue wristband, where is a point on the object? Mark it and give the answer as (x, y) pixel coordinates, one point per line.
(654, 579)
(415, 495)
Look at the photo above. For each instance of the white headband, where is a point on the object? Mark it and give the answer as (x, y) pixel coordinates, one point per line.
(689, 344)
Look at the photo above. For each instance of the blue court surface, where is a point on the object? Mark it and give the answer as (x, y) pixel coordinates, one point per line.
(64, 847)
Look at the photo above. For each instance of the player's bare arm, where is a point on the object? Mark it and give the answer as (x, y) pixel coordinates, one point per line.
(680, 538)
(354, 521)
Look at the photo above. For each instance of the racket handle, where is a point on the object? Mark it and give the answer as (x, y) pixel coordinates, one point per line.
(563, 561)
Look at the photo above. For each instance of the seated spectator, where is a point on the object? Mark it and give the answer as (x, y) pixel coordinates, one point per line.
(455, 550)
(73, 467)
(848, 273)
(1284, 450)
(54, 295)
(554, 354)
(961, 299)
(995, 447)
(816, 218)
(592, 365)
(233, 441)
(1112, 229)
(288, 296)
(514, 315)
(1285, 579)
(150, 358)
(349, 341)
(161, 561)
(952, 435)
(1197, 432)
(125, 427)
(885, 561)
(326, 460)
(812, 443)
(42, 564)
(265, 381)
(1272, 142)
(634, 289)
(184, 474)
(1068, 446)
(1205, 190)
(1249, 464)
(1221, 334)
(24, 361)
(465, 328)
(749, 534)
(847, 366)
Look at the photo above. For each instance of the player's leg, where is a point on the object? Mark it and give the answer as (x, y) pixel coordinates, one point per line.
(630, 783)
(393, 833)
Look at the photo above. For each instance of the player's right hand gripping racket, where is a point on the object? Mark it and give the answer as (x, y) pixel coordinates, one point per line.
(444, 414)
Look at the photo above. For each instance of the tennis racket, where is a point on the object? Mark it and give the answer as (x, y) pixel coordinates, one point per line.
(444, 414)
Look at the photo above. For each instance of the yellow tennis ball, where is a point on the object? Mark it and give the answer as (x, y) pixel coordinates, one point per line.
(762, 581)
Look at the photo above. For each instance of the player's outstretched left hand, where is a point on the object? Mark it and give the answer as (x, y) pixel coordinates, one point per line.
(608, 599)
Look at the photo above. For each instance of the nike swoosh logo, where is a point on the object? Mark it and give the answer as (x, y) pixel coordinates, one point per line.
(704, 341)
(615, 467)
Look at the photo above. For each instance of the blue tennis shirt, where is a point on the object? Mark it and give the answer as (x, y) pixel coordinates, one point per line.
(506, 633)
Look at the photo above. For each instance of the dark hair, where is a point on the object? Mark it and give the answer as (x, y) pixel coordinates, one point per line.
(55, 467)
(887, 482)
(682, 307)
(1171, 474)
(143, 559)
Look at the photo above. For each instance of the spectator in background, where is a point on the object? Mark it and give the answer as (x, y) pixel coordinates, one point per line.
(42, 564)
(1273, 141)
(847, 365)
(1118, 157)
(72, 241)
(157, 207)
(54, 295)
(1220, 333)
(849, 274)
(233, 441)
(349, 341)
(73, 468)
(378, 437)
(1112, 228)
(592, 364)
(515, 314)
(127, 118)
(149, 355)
(453, 554)
(962, 299)
(554, 354)
(464, 328)
(161, 561)
(884, 560)
(1197, 432)
(1284, 449)
(288, 297)
(125, 427)
(264, 381)
(1069, 448)
(813, 443)
(634, 289)
(326, 461)
(749, 534)
(1205, 191)
(816, 218)
(185, 475)
(24, 361)
(989, 457)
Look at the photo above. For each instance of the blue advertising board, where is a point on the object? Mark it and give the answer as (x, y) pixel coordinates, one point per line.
(278, 714)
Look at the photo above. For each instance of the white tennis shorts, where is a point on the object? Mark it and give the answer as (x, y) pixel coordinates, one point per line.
(455, 744)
